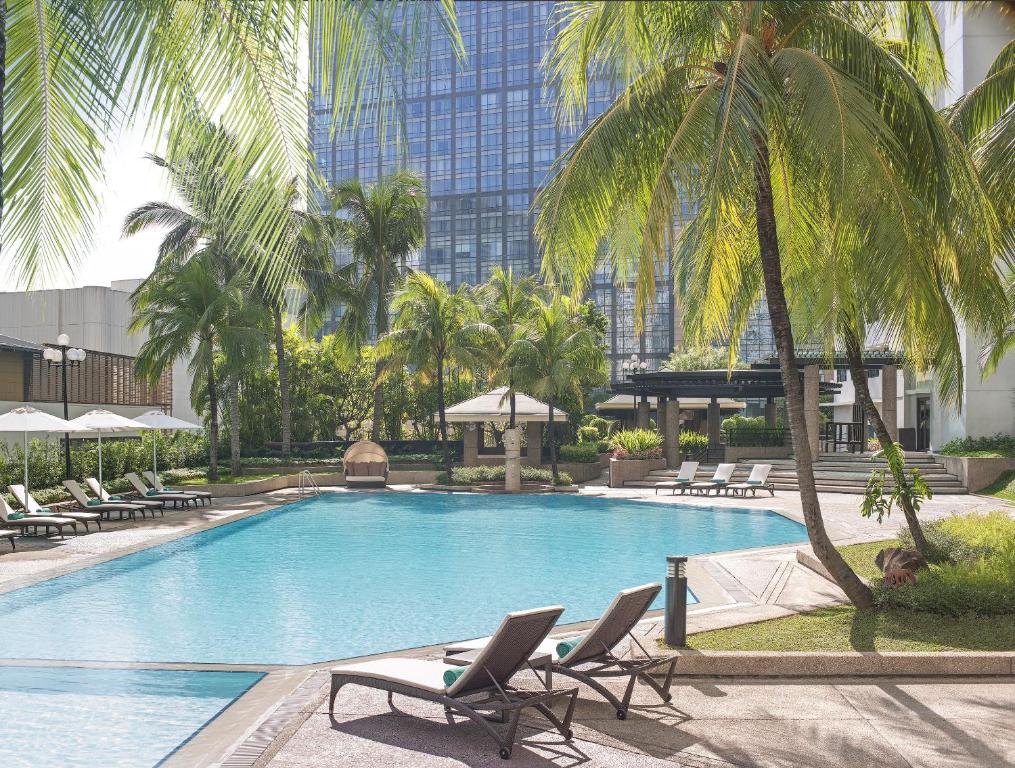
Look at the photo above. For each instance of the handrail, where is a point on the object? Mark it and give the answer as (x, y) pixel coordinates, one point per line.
(308, 484)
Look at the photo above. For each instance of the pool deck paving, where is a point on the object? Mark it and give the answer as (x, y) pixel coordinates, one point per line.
(748, 722)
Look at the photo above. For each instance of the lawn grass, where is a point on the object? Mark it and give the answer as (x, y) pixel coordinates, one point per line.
(844, 628)
(1002, 488)
(224, 479)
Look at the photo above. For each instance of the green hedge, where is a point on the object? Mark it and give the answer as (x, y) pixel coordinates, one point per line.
(997, 446)
(752, 431)
(491, 474)
(637, 444)
(582, 453)
(693, 443)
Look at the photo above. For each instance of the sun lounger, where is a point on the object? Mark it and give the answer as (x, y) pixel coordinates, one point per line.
(151, 477)
(148, 493)
(9, 535)
(683, 479)
(33, 508)
(483, 686)
(100, 493)
(102, 508)
(34, 522)
(758, 479)
(722, 476)
(591, 657)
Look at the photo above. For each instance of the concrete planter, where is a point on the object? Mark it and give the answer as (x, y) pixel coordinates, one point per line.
(975, 473)
(581, 472)
(622, 470)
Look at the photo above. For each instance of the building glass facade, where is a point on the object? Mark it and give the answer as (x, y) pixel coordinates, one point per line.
(482, 134)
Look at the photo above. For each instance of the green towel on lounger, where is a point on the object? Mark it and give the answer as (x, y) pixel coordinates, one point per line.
(564, 647)
(718, 482)
(151, 492)
(116, 498)
(93, 502)
(754, 482)
(15, 515)
(42, 511)
(450, 675)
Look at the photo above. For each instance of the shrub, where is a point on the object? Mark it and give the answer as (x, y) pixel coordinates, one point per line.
(582, 453)
(588, 435)
(487, 474)
(752, 431)
(602, 426)
(692, 443)
(1000, 446)
(637, 444)
(976, 574)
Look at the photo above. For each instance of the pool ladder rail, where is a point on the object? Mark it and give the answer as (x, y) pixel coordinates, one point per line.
(307, 484)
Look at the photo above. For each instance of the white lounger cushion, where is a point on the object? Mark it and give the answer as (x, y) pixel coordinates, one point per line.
(365, 479)
(549, 645)
(418, 673)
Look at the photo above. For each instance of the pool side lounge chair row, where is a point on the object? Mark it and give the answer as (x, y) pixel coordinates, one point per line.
(720, 480)
(484, 686)
(25, 522)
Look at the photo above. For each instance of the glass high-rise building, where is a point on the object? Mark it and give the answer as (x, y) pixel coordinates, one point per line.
(482, 134)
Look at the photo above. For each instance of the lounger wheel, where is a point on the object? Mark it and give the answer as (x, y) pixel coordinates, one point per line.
(505, 753)
(622, 714)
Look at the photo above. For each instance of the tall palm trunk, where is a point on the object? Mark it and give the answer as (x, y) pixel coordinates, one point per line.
(3, 84)
(859, 375)
(233, 394)
(552, 429)
(768, 241)
(441, 417)
(283, 385)
(381, 320)
(511, 420)
(213, 430)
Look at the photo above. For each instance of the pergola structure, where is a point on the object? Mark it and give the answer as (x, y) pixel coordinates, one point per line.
(763, 382)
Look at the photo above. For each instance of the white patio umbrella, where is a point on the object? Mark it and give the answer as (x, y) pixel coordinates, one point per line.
(101, 420)
(26, 419)
(159, 420)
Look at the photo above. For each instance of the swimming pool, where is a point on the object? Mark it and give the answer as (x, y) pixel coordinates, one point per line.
(345, 574)
(61, 717)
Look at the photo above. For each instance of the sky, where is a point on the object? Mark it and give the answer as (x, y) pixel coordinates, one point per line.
(130, 181)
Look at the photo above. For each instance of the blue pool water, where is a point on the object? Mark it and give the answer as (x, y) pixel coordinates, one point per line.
(343, 575)
(62, 717)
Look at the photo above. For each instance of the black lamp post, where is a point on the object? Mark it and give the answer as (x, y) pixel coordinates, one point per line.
(63, 354)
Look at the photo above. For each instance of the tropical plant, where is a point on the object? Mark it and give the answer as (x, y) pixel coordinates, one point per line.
(703, 358)
(693, 444)
(435, 330)
(774, 119)
(558, 356)
(582, 453)
(189, 312)
(383, 224)
(637, 444)
(488, 474)
(77, 71)
(507, 305)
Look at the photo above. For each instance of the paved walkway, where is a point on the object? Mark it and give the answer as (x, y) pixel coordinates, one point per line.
(710, 724)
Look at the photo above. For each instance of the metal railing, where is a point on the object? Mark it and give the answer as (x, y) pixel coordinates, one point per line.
(307, 484)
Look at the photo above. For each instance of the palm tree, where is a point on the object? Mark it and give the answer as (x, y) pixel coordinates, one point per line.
(558, 356)
(435, 330)
(77, 72)
(192, 311)
(508, 306)
(764, 116)
(985, 119)
(384, 224)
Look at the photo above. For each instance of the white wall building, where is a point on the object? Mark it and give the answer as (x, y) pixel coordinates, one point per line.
(97, 319)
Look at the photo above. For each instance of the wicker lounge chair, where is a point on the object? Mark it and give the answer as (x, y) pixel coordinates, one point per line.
(203, 496)
(722, 476)
(683, 479)
(758, 479)
(591, 657)
(33, 508)
(103, 508)
(35, 522)
(366, 465)
(483, 687)
(153, 505)
(6, 533)
(147, 493)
